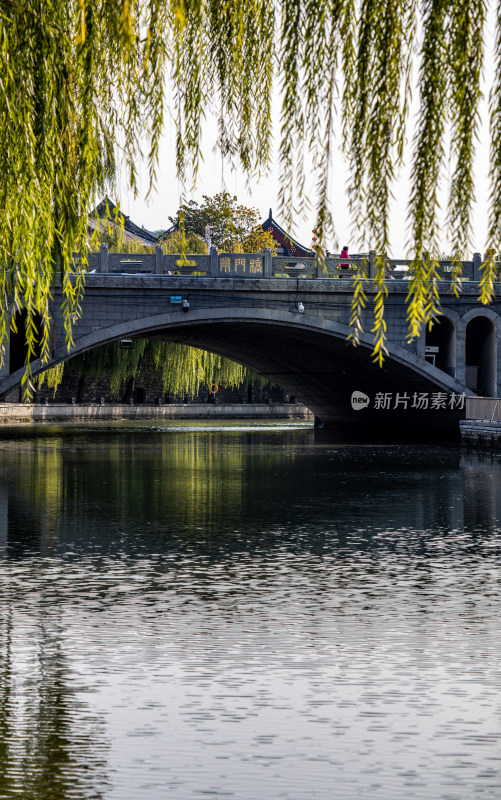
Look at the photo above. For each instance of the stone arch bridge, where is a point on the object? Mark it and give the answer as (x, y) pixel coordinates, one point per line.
(289, 322)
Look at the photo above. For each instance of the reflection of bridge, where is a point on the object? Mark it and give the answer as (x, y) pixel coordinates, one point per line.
(248, 307)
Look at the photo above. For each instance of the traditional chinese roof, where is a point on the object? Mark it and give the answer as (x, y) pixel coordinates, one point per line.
(287, 246)
(108, 209)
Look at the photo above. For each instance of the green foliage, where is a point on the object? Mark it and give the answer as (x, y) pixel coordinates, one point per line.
(177, 368)
(258, 240)
(52, 377)
(76, 64)
(113, 234)
(184, 370)
(81, 78)
(189, 243)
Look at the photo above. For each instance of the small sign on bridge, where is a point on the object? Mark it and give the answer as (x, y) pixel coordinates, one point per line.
(176, 298)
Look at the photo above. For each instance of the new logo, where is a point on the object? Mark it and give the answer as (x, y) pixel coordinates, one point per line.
(359, 400)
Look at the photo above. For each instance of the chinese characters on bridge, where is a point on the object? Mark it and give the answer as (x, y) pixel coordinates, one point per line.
(244, 264)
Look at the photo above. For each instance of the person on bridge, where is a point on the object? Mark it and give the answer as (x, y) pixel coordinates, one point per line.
(344, 254)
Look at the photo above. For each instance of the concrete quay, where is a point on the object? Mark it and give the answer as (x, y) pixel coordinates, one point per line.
(481, 432)
(14, 413)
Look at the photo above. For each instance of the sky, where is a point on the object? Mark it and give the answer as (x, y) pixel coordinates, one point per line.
(214, 176)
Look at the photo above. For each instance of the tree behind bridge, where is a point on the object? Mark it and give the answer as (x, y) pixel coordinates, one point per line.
(236, 228)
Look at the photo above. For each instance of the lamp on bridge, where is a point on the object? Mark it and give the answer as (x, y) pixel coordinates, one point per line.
(209, 233)
(186, 305)
(300, 307)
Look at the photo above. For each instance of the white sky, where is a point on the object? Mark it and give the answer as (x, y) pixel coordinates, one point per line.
(213, 177)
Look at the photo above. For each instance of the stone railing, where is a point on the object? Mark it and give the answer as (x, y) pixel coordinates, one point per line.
(259, 265)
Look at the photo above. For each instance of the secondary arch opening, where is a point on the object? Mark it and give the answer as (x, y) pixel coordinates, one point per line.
(441, 345)
(481, 356)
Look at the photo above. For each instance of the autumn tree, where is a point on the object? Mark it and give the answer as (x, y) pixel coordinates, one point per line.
(236, 228)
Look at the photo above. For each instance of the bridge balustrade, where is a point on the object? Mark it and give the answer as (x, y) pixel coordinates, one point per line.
(398, 268)
(262, 265)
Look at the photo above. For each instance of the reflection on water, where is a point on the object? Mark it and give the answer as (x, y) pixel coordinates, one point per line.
(247, 613)
(51, 744)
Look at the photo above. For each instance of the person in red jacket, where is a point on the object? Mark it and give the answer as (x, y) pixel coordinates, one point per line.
(344, 254)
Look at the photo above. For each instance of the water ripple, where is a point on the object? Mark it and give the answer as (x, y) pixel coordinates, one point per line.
(247, 614)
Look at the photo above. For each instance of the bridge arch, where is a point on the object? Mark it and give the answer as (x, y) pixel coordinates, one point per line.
(307, 355)
(483, 326)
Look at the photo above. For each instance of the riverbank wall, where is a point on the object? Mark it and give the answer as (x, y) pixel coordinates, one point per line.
(13, 413)
(481, 432)
(482, 424)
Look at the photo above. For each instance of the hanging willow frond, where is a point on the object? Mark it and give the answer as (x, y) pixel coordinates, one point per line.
(358, 303)
(466, 57)
(428, 157)
(490, 270)
(179, 369)
(375, 110)
(379, 326)
(52, 377)
(376, 102)
(489, 276)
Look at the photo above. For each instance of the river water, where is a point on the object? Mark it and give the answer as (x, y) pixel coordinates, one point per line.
(246, 611)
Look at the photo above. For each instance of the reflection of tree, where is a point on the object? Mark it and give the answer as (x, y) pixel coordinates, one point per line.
(34, 512)
(51, 747)
(179, 479)
(220, 491)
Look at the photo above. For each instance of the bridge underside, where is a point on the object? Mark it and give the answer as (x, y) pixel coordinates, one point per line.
(323, 371)
(309, 357)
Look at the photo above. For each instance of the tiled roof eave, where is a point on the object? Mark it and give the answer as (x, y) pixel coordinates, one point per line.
(292, 245)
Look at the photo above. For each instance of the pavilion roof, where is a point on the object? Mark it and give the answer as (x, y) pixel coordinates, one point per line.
(285, 240)
(107, 209)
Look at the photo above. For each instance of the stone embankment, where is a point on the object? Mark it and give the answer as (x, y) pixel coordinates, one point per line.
(486, 433)
(23, 412)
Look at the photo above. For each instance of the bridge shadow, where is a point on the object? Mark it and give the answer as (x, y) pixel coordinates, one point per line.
(408, 399)
(323, 371)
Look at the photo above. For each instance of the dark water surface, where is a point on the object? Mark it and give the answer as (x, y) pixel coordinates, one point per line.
(247, 612)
